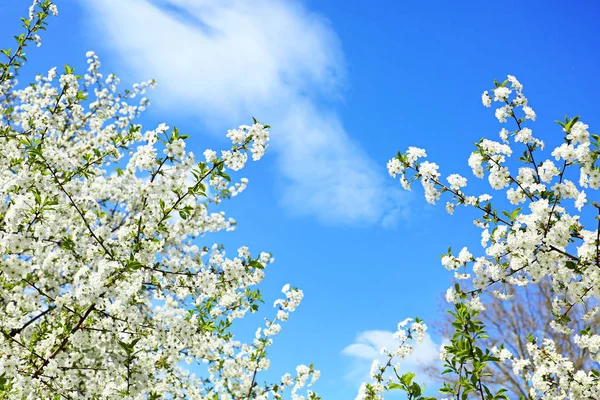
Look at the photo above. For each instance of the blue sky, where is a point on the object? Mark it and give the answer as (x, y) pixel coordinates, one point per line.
(344, 85)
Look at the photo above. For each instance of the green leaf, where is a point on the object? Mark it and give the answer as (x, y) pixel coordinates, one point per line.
(407, 378)
(415, 389)
(256, 264)
(134, 265)
(225, 176)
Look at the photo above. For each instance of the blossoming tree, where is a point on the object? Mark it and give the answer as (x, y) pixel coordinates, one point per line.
(550, 233)
(104, 291)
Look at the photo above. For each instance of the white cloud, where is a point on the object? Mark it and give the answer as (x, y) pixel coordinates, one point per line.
(368, 344)
(231, 59)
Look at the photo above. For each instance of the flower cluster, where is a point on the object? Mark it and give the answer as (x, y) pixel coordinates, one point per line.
(551, 374)
(381, 381)
(547, 236)
(105, 290)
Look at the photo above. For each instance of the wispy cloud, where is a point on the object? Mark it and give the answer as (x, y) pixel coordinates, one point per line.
(227, 60)
(368, 344)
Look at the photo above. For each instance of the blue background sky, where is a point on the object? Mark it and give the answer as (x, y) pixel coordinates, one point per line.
(345, 84)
